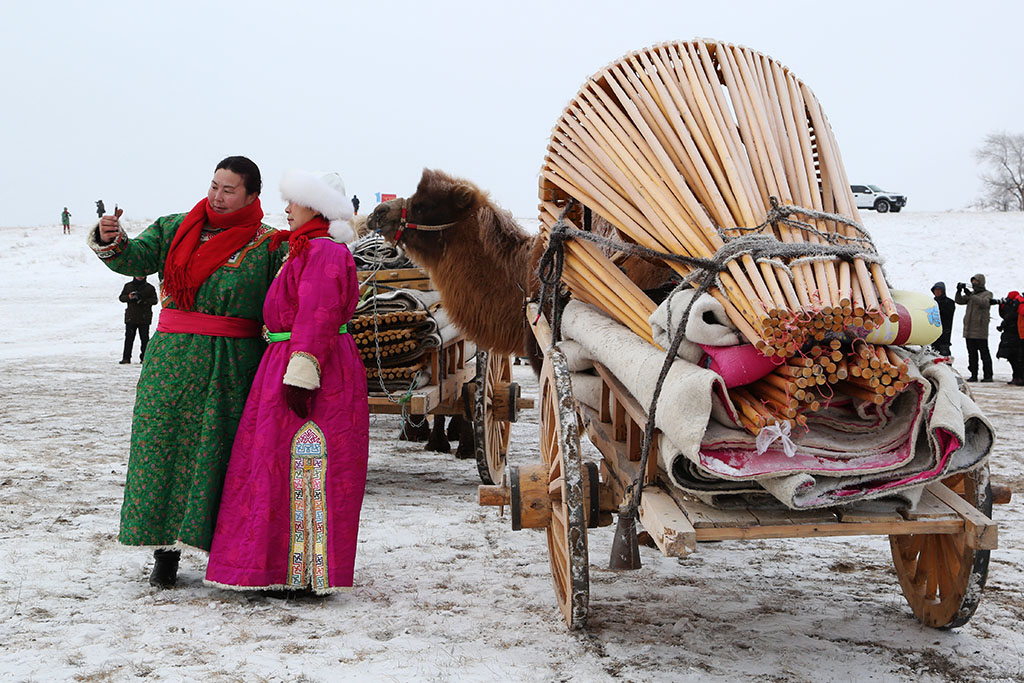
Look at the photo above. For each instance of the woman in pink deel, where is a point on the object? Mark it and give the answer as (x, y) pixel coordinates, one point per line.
(289, 516)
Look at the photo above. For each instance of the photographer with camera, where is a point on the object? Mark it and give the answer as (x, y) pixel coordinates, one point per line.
(140, 297)
(946, 310)
(977, 299)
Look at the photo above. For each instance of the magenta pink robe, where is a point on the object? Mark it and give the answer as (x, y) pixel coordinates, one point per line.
(289, 516)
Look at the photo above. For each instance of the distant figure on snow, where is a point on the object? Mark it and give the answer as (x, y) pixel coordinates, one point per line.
(140, 297)
(100, 209)
(976, 323)
(946, 309)
(355, 205)
(65, 220)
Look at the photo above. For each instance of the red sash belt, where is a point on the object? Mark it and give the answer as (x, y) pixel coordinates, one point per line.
(192, 322)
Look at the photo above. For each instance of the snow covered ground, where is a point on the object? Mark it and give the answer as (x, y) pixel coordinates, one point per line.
(445, 589)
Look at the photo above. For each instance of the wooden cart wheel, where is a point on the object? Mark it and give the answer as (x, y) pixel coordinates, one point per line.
(941, 576)
(560, 452)
(491, 414)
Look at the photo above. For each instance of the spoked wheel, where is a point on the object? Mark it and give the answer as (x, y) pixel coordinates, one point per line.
(941, 576)
(560, 452)
(495, 408)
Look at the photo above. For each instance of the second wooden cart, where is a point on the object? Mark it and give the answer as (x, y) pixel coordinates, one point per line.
(464, 381)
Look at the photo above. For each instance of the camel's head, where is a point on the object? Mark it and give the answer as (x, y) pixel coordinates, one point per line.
(439, 202)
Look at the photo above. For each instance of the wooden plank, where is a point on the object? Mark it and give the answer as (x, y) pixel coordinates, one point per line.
(634, 440)
(418, 285)
(451, 406)
(945, 526)
(611, 491)
(451, 385)
(713, 524)
(718, 517)
(394, 274)
(453, 341)
(665, 522)
(605, 414)
(868, 511)
(619, 423)
(783, 515)
(539, 324)
(622, 395)
(421, 402)
(434, 361)
(633, 430)
(401, 278)
(929, 507)
(614, 452)
(695, 514)
(982, 532)
(613, 486)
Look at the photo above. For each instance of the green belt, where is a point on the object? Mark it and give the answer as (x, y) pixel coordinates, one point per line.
(285, 336)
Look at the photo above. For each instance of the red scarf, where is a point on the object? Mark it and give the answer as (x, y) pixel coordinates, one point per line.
(299, 238)
(190, 262)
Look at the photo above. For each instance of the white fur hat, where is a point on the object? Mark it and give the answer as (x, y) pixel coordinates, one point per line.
(324, 192)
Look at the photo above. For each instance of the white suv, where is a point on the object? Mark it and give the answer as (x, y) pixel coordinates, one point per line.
(874, 197)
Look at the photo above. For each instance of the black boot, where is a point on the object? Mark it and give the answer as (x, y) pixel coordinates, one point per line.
(165, 568)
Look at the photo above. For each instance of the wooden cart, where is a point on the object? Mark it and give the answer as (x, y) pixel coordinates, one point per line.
(472, 383)
(940, 549)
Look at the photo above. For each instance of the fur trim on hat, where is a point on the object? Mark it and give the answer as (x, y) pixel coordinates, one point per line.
(341, 231)
(325, 194)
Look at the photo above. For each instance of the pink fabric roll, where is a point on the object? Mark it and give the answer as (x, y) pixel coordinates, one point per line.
(738, 365)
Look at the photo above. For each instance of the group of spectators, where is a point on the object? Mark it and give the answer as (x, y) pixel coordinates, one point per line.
(978, 302)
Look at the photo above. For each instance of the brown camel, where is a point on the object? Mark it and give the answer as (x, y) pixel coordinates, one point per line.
(483, 264)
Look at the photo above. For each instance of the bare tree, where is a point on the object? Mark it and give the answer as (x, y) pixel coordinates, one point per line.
(1002, 156)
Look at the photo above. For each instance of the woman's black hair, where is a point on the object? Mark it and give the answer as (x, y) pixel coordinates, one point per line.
(246, 168)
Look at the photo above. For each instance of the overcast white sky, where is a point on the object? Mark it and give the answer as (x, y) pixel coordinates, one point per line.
(135, 102)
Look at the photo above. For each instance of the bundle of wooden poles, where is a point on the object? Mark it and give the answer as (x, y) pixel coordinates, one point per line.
(685, 147)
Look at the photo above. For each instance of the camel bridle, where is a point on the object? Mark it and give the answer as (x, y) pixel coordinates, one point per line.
(404, 224)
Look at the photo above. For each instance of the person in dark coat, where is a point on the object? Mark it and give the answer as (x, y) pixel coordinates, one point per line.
(355, 205)
(976, 324)
(946, 308)
(140, 297)
(100, 209)
(1009, 340)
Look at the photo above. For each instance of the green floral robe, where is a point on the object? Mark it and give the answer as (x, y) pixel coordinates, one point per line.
(190, 394)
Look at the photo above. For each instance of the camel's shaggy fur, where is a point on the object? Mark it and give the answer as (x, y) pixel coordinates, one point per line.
(484, 266)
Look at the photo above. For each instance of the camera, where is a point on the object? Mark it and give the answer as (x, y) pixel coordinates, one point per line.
(961, 285)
